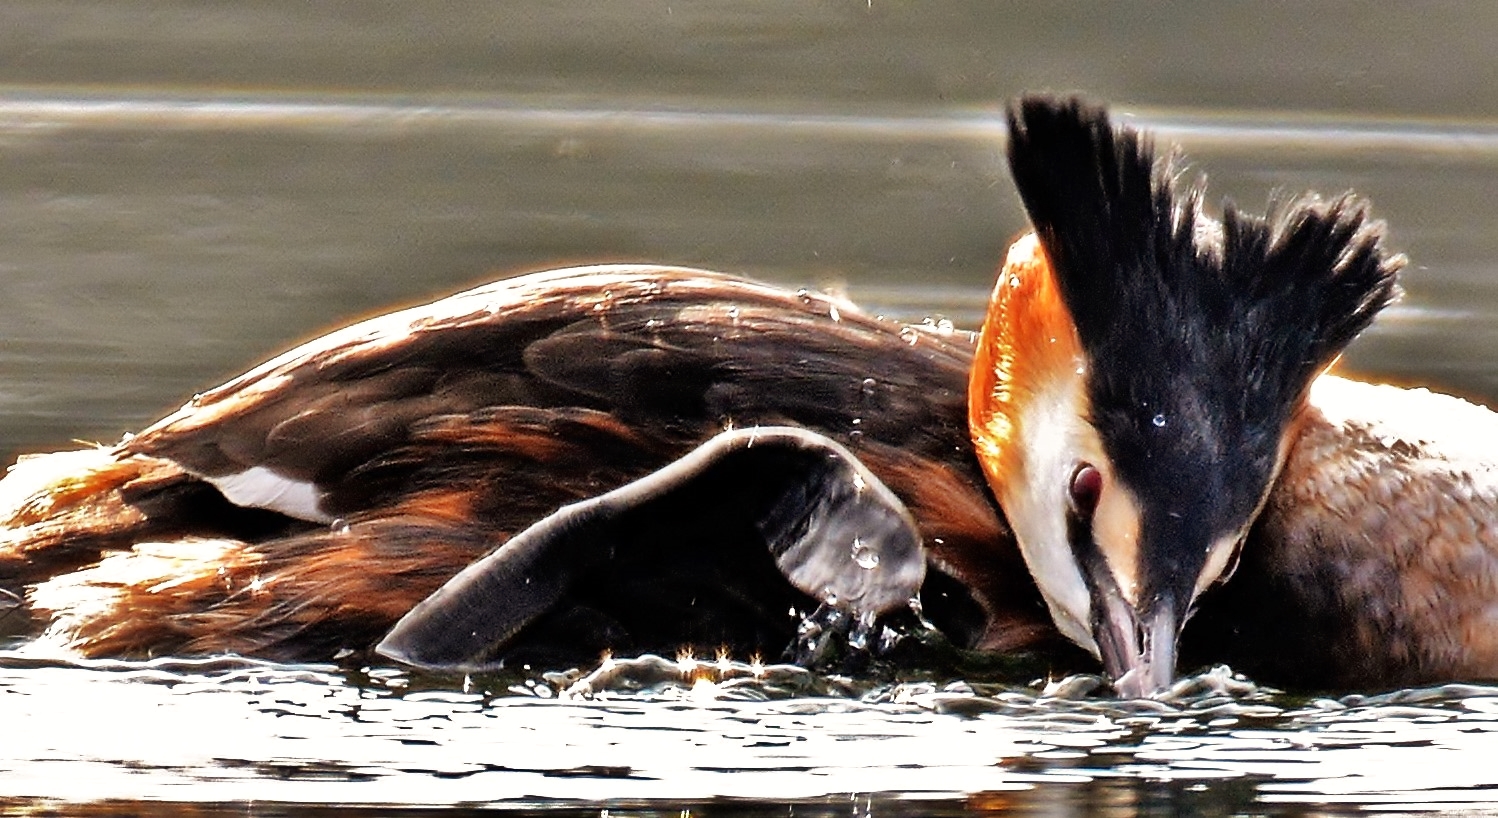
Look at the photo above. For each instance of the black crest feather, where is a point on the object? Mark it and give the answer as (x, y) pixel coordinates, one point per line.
(1202, 336)
(1122, 233)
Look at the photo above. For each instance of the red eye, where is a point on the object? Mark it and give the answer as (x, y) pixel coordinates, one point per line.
(1086, 487)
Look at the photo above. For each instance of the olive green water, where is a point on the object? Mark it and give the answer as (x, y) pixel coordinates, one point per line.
(186, 189)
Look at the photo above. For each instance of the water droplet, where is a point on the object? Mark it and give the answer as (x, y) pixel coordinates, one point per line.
(816, 635)
(868, 386)
(910, 335)
(733, 314)
(888, 638)
(1159, 420)
(917, 608)
(833, 313)
(1014, 279)
(866, 557)
(829, 596)
(858, 639)
(945, 326)
(339, 526)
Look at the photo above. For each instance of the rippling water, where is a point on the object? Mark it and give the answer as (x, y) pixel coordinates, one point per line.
(236, 731)
(185, 190)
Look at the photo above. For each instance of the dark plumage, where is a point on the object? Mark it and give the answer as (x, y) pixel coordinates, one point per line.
(436, 433)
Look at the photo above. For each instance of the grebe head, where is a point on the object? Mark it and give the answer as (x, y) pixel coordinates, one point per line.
(1140, 370)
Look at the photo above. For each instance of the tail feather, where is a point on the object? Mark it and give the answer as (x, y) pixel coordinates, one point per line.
(302, 597)
(64, 509)
(38, 486)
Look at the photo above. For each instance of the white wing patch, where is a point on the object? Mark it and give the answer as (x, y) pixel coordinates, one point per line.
(259, 487)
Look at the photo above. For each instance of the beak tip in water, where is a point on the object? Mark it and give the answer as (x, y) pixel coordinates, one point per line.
(1143, 682)
(1138, 651)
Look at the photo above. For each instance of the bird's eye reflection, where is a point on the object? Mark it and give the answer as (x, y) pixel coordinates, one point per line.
(1085, 488)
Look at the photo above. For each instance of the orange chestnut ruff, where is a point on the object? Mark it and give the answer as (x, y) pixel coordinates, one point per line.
(1027, 338)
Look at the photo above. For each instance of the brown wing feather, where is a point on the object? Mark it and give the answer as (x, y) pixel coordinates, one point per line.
(470, 418)
(669, 347)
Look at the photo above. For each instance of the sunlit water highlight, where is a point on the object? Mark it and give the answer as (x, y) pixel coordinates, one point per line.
(232, 730)
(40, 110)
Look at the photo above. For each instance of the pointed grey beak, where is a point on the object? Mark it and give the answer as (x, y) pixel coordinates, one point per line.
(1138, 648)
(1138, 651)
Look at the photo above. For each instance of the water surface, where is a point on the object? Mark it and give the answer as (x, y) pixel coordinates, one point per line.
(186, 190)
(233, 731)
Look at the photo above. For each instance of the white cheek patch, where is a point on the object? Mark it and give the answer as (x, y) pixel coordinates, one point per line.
(1053, 439)
(259, 487)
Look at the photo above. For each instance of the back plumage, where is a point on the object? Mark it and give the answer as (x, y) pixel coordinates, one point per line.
(391, 454)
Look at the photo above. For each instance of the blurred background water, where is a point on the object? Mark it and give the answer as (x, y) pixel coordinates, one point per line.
(188, 188)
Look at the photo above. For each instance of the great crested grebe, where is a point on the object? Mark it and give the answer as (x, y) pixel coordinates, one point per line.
(1139, 370)
(1140, 403)
(304, 507)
